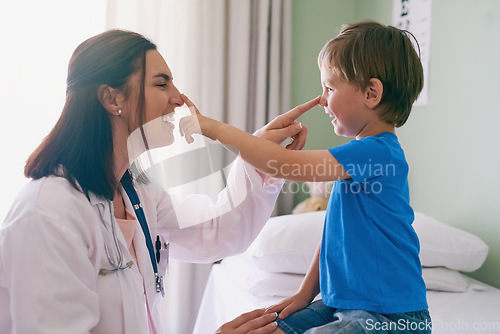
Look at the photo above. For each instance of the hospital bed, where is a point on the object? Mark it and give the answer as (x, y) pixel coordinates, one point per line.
(275, 264)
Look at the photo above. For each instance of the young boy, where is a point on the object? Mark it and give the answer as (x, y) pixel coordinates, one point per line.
(367, 266)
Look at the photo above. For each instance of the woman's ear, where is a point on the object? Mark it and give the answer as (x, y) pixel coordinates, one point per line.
(108, 98)
(373, 93)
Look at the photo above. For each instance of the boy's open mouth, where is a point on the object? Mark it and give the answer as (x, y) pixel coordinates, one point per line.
(329, 113)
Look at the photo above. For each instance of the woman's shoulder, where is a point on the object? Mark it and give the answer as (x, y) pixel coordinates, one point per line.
(53, 191)
(51, 198)
(50, 215)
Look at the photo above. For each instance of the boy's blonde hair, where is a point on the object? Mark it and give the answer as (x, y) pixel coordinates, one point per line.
(367, 50)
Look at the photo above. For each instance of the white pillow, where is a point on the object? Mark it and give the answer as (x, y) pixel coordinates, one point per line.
(287, 243)
(447, 246)
(245, 273)
(444, 279)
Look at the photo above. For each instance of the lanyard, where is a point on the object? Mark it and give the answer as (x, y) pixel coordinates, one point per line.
(139, 212)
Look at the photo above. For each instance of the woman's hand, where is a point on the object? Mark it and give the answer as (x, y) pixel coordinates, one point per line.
(254, 322)
(289, 305)
(286, 126)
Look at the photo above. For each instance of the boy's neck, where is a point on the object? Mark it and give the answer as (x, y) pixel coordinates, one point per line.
(376, 129)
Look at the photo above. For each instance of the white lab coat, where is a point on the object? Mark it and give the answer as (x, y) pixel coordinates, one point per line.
(52, 248)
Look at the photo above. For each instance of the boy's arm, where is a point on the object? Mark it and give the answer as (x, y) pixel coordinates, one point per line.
(310, 284)
(271, 158)
(308, 290)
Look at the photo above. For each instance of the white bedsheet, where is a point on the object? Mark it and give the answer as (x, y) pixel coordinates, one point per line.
(227, 296)
(465, 312)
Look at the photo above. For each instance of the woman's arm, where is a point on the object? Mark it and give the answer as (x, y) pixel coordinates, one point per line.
(240, 212)
(271, 158)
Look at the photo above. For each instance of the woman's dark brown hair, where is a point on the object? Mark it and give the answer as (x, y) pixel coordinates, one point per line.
(80, 146)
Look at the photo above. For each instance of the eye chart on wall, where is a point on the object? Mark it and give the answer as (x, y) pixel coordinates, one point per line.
(415, 16)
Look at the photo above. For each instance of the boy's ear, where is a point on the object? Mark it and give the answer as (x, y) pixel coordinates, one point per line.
(373, 93)
(108, 98)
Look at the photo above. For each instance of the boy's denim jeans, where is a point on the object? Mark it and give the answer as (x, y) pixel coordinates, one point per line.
(318, 318)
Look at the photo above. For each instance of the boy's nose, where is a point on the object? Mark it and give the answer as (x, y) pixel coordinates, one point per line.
(322, 101)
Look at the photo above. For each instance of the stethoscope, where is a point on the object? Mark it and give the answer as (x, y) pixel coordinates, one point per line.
(139, 212)
(118, 265)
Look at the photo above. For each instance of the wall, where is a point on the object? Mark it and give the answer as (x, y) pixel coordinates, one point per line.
(314, 22)
(451, 144)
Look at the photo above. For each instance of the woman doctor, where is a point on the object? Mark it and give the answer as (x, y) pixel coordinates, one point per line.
(74, 257)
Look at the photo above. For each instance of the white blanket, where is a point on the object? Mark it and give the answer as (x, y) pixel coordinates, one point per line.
(230, 292)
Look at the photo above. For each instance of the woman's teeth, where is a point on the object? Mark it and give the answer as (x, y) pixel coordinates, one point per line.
(168, 117)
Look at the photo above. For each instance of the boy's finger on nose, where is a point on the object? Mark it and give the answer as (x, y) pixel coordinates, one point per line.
(187, 101)
(190, 105)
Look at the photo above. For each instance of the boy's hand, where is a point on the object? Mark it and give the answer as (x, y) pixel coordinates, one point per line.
(254, 322)
(289, 305)
(196, 123)
(285, 126)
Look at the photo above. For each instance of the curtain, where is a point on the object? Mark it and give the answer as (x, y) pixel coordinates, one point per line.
(37, 39)
(232, 59)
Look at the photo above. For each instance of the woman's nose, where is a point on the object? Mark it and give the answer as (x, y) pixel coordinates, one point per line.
(176, 99)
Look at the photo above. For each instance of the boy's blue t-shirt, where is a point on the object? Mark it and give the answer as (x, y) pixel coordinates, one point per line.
(370, 253)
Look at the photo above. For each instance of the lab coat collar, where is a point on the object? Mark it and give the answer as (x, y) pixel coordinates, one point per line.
(95, 200)
(102, 207)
